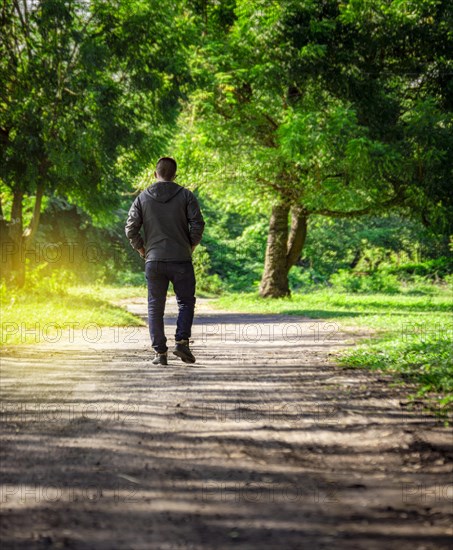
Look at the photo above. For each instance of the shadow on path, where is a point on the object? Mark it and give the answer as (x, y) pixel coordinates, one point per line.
(263, 443)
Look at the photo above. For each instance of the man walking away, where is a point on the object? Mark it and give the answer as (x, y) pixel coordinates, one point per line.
(173, 227)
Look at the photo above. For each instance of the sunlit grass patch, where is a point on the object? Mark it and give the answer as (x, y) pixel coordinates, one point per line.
(45, 311)
(111, 293)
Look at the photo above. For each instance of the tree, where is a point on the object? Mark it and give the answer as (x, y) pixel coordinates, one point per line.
(327, 115)
(88, 91)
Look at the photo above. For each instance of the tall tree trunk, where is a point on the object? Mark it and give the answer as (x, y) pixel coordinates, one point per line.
(29, 233)
(274, 282)
(16, 235)
(21, 238)
(283, 248)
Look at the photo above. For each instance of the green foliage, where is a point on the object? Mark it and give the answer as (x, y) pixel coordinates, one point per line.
(89, 93)
(234, 243)
(374, 282)
(236, 247)
(55, 283)
(125, 279)
(365, 243)
(434, 269)
(312, 102)
(339, 106)
(206, 282)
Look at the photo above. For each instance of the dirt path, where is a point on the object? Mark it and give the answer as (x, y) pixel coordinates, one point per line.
(263, 443)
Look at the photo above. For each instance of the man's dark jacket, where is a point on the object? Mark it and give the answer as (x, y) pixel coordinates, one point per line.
(171, 219)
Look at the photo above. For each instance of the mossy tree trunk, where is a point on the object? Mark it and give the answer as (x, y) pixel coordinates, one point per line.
(284, 247)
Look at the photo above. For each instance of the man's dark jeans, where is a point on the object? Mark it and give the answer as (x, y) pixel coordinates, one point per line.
(159, 274)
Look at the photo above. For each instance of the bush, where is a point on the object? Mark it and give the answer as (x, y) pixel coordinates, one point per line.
(130, 278)
(346, 281)
(438, 268)
(305, 279)
(419, 285)
(378, 281)
(202, 264)
(57, 281)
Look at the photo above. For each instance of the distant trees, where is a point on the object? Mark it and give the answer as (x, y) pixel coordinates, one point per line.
(324, 108)
(329, 108)
(87, 92)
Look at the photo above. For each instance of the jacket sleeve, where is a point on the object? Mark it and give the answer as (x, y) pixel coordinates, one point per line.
(133, 225)
(195, 219)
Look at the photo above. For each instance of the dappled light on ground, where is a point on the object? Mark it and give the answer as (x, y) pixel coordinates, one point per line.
(262, 443)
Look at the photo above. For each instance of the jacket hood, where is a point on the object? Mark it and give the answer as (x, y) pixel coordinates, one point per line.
(163, 191)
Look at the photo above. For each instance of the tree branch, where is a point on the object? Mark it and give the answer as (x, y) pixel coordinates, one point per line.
(24, 2)
(24, 25)
(21, 17)
(282, 190)
(394, 201)
(271, 121)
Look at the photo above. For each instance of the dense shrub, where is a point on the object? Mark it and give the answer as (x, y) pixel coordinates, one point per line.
(379, 281)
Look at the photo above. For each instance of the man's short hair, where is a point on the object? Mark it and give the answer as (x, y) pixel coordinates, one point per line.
(166, 168)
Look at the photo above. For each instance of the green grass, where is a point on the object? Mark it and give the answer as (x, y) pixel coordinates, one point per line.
(412, 334)
(49, 305)
(49, 311)
(111, 293)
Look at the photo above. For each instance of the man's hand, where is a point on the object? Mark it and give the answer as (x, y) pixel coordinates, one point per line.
(141, 251)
